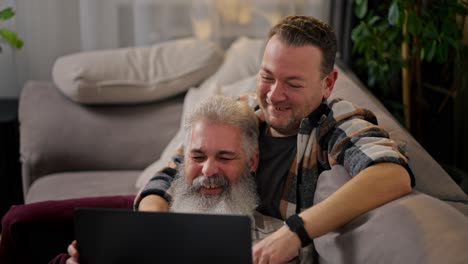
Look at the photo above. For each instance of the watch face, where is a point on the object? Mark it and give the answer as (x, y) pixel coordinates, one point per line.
(296, 225)
(294, 222)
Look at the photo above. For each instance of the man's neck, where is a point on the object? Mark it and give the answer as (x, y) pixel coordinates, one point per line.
(273, 133)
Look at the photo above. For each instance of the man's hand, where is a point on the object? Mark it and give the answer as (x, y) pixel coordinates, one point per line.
(280, 247)
(73, 252)
(153, 203)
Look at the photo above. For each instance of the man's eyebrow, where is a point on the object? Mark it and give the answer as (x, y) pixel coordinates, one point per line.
(197, 150)
(227, 152)
(289, 78)
(265, 69)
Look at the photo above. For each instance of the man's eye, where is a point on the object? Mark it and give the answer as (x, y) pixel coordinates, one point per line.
(198, 158)
(267, 78)
(294, 86)
(225, 158)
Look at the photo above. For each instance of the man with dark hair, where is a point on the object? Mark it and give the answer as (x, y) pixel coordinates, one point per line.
(301, 135)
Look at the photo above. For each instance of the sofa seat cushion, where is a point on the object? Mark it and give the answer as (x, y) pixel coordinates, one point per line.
(136, 74)
(70, 185)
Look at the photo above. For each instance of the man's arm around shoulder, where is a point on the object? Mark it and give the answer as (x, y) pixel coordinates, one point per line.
(369, 189)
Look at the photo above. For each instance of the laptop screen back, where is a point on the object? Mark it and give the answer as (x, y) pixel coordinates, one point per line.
(124, 236)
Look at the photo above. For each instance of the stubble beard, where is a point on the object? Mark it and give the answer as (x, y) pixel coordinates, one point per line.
(291, 125)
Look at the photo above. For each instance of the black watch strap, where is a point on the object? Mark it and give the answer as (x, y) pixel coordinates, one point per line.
(296, 225)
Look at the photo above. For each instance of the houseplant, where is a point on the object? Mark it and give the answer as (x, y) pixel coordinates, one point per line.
(7, 35)
(412, 55)
(411, 36)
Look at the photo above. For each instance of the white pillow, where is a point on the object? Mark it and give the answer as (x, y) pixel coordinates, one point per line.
(243, 86)
(242, 60)
(136, 74)
(239, 69)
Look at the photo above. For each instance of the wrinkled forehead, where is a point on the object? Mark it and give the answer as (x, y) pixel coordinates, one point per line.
(213, 138)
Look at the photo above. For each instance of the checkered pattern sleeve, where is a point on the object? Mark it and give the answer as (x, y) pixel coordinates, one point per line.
(160, 183)
(356, 141)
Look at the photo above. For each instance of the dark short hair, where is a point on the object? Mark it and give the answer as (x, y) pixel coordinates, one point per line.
(307, 30)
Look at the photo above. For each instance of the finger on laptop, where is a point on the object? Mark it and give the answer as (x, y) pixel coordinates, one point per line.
(73, 252)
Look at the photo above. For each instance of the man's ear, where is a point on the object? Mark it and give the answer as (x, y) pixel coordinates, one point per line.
(254, 162)
(329, 83)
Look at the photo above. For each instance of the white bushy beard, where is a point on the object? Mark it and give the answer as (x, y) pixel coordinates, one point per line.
(239, 198)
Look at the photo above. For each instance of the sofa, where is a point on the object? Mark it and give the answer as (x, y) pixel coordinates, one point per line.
(105, 125)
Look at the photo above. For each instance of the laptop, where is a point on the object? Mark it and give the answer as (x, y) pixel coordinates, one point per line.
(124, 236)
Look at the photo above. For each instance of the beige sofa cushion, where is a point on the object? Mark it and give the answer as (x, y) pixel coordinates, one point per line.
(136, 74)
(70, 185)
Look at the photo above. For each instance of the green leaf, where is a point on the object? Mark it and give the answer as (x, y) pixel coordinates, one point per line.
(422, 53)
(414, 24)
(429, 30)
(360, 9)
(356, 33)
(432, 51)
(453, 42)
(373, 20)
(442, 53)
(393, 14)
(6, 13)
(11, 38)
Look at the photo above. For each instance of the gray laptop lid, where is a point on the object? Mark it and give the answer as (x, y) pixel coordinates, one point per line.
(124, 236)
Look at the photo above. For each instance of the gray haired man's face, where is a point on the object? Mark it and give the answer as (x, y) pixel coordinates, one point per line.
(216, 176)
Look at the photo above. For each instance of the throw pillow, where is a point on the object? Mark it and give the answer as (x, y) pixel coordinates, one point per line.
(136, 74)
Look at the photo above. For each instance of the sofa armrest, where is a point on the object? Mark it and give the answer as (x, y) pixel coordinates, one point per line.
(58, 135)
(416, 228)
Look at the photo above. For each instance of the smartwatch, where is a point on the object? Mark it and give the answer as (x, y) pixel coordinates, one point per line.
(296, 225)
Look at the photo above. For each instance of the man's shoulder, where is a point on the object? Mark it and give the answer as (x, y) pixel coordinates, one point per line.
(341, 110)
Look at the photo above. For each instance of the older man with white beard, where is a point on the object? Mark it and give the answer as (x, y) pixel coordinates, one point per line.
(220, 159)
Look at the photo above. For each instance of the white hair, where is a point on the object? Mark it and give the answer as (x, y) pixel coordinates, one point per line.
(226, 111)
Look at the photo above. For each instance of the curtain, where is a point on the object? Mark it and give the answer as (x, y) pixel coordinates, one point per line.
(53, 28)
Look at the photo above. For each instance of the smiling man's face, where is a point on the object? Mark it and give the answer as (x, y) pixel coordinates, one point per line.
(216, 176)
(290, 85)
(215, 152)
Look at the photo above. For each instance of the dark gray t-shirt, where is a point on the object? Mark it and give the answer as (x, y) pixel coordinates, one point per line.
(276, 157)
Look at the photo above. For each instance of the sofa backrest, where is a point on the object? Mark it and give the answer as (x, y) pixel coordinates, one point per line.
(58, 135)
(430, 176)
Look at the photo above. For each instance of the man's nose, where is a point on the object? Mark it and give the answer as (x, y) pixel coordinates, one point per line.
(210, 167)
(276, 93)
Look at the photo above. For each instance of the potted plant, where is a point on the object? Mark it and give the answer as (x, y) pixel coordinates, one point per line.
(410, 37)
(7, 35)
